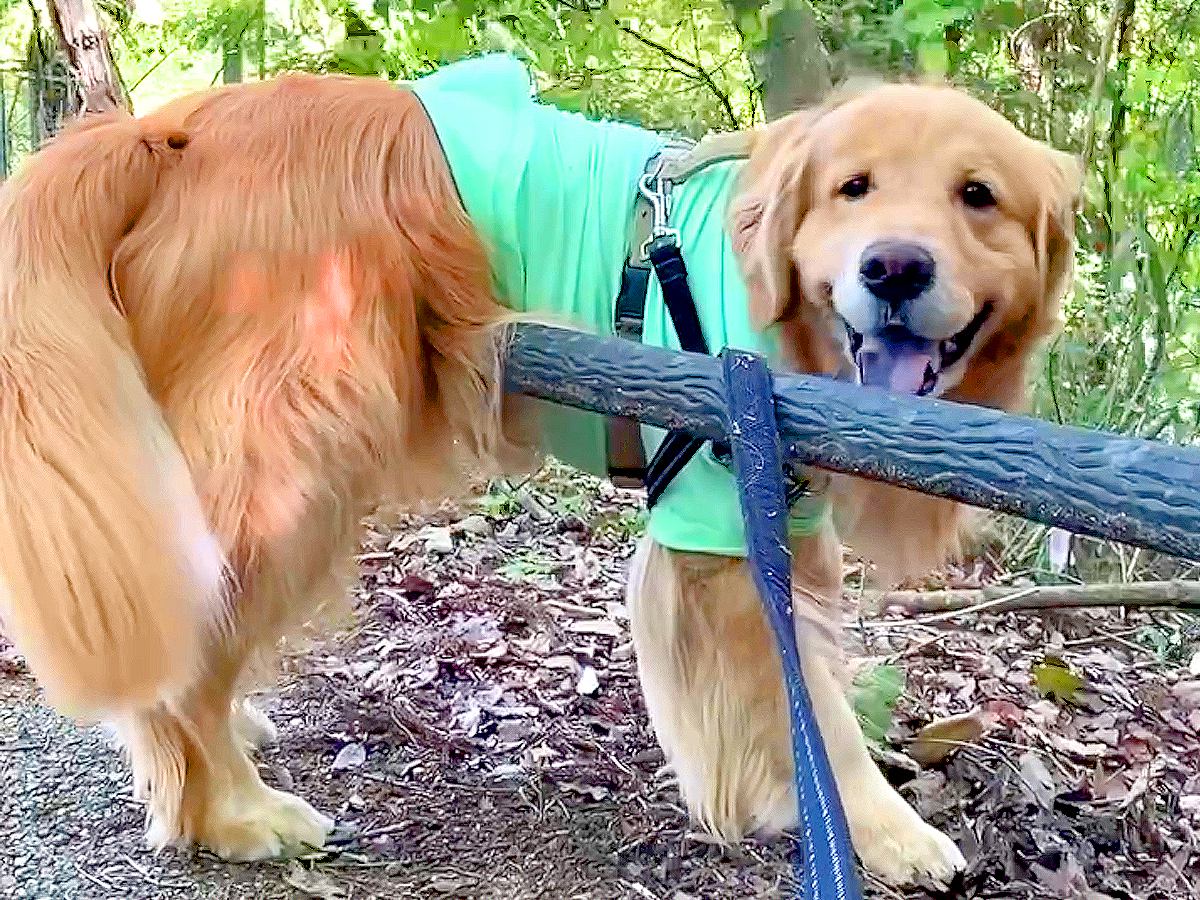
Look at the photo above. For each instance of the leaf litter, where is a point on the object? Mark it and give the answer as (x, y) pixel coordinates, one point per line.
(478, 731)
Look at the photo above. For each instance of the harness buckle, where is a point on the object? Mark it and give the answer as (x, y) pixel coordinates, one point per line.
(657, 191)
(800, 482)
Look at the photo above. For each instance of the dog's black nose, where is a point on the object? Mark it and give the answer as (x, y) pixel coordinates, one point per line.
(896, 272)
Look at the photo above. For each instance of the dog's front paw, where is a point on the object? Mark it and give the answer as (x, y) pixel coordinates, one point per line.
(263, 823)
(896, 845)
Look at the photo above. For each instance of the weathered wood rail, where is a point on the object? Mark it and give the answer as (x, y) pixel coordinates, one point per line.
(1089, 482)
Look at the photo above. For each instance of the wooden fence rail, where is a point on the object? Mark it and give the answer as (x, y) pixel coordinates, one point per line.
(1134, 491)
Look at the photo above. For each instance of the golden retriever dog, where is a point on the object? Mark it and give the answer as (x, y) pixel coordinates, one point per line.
(231, 327)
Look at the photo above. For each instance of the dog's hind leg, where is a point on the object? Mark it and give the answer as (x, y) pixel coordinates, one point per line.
(191, 758)
(714, 690)
(192, 769)
(701, 664)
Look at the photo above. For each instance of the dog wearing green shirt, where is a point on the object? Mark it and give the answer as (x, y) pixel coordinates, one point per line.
(232, 327)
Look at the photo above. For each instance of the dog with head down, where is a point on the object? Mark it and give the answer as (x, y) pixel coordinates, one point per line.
(230, 328)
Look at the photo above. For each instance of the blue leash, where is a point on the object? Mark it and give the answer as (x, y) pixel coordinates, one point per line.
(824, 862)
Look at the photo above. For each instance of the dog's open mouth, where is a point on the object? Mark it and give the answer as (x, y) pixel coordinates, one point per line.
(898, 360)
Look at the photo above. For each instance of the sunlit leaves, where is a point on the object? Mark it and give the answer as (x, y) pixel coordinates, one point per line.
(1054, 679)
(1131, 355)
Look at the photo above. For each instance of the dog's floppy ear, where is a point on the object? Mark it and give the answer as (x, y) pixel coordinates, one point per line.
(766, 212)
(1054, 228)
(773, 197)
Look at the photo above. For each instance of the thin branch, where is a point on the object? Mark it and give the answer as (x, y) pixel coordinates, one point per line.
(980, 604)
(694, 67)
(1120, 10)
(1148, 594)
(150, 71)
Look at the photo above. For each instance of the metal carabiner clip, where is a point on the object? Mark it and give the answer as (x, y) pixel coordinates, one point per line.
(658, 194)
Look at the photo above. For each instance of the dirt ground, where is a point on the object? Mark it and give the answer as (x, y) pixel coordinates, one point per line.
(477, 732)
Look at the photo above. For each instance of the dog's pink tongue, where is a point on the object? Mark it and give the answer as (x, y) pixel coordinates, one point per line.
(896, 361)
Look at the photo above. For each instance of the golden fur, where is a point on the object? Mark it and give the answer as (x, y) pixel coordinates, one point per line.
(232, 327)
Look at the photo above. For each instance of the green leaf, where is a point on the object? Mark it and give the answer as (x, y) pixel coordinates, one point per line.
(1179, 147)
(876, 692)
(1055, 680)
(934, 58)
(445, 35)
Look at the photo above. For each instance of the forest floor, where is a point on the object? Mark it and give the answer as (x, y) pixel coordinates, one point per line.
(478, 732)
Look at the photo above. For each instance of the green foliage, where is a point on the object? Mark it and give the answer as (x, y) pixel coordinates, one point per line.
(1054, 678)
(499, 502)
(529, 566)
(876, 691)
(1173, 643)
(624, 525)
(661, 63)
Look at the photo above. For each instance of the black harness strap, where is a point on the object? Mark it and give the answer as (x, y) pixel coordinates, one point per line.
(678, 447)
(666, 258)
(631, 301)
(626, 454)
(672, 276)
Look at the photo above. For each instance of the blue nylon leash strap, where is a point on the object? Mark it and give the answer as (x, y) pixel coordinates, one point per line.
(825, 861)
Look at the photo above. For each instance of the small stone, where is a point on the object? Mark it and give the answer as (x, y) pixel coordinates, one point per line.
(588, 683)
(476, 525)
(350, 757)
(438, 540)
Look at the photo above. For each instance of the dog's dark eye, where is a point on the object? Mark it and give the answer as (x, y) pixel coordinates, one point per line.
(978, 195)
(855, 187)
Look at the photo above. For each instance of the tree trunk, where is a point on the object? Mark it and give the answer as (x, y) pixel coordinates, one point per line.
(262, 41)
(231, 66)
(790, 62)
(4, 143)
(48, 85)
(96, 85)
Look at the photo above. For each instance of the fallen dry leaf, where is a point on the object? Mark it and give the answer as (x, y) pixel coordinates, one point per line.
(313, 883)
(437, 539)
(939, 739)
(1037, 779)
(415, 587)
(595, 626)
(449, 883)
(1191, 806)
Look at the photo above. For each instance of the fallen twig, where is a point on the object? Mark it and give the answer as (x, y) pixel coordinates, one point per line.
(997, 598)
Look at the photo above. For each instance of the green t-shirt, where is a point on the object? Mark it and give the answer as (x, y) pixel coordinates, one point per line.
(552, 195)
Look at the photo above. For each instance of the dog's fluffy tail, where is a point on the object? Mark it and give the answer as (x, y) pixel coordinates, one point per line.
(108, 571)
